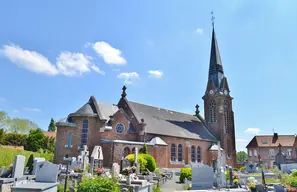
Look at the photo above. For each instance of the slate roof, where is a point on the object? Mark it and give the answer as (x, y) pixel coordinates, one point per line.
(167, 122)
(89, 109)
(272, 141)
(158, 120)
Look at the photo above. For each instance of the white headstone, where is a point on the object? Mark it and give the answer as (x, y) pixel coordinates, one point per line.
(202, 177)
(18, 166)
(47, 172)
(115, 170)
(36, 160)
(135, 155)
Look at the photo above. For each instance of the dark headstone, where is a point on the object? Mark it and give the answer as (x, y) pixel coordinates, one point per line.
(124, 164)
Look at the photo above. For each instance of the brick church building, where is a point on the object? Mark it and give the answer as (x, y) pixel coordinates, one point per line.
(173, 138)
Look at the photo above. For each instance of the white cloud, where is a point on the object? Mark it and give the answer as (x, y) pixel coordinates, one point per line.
(68, 63)
(129, 78)
(32, 109)
(155, 73)
(253, 131)
(109, 54)
(96, 69)
(2, 99)
(30, 60)
(199, 31)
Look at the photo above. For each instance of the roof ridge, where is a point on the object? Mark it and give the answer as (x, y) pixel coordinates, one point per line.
(161, 108)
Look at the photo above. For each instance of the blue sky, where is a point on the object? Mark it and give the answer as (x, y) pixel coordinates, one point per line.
(56, 54)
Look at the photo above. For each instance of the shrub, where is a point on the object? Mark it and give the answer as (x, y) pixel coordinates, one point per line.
(292, 181)
(235, 169)
(284, 178)
(187, 186)
(151, 162)
(145, 149)
(156, 188)
(145, 161)
(99, 184)
(276, 171)
(185, 173)
(140, 160)
(8, 154)
(294, 173)
(242, 168)
(30, 163)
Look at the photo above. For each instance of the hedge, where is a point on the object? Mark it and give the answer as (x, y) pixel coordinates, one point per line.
(185, 173)
(145, 161)
(8, 154)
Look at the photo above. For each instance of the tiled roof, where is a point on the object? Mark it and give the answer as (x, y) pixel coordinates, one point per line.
(50, 134)
(272, 141)
(172, 123)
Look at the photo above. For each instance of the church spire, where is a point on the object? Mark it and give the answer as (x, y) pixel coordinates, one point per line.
(216, 73)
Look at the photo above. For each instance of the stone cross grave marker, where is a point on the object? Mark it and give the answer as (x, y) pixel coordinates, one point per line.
(47, 172)
(115, 170)
(96, 158)
(135, 160)
(18, 166)
(202, 177)
(85, 157)
(36, 161)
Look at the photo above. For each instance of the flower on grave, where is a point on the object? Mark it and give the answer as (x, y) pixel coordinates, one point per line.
(99, 171)
(129, 170)
(251, 185)
(235, 181)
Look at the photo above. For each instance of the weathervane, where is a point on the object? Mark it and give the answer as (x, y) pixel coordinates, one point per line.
(212, 19)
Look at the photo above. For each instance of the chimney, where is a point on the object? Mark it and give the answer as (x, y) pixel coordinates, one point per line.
(275, 137)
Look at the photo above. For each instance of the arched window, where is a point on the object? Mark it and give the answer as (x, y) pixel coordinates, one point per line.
(126, 151)
(212, 111)
(180, 152)
(84, 132)
(173, 152)
(133, 150)
(69, 138)
(193, 153)
(226, 117)
(199, 157)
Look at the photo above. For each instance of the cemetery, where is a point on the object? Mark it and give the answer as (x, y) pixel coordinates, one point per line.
(83, 173)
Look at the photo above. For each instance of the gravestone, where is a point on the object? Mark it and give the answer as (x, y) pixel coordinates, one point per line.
(280, 158)
(250, 168)
(36, 160)
(202, 177)
(124, 164)
(18, 166)
(85, 157)
(115, 170)
(2, 170)
(96, 158)
(47, 172)
(221, 177)
(46, 179)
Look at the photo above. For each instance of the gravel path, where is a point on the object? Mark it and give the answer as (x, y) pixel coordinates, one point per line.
(172, 185)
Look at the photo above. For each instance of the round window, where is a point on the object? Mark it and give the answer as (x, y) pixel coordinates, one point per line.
(120, 128)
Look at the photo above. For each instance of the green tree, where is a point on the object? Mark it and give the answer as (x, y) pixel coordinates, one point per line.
(145, 149)
(19, 125)
(49, 144)
(4, 120)
(241, 157)
(52, 126)
(35, 140)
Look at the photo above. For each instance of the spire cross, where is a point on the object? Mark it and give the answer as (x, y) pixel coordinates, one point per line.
(212, 19)
(124, 91)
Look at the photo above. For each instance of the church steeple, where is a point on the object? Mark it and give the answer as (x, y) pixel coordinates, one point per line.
(216, 72)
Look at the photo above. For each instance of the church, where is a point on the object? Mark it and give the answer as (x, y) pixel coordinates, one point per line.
(173, 138)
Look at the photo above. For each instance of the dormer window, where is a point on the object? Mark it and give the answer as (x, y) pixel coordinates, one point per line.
(264, 141)
(108, 123)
